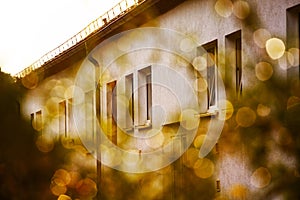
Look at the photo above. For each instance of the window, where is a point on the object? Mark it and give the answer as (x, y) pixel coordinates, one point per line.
(65, 117)
(149, 96)
(238, 62)
(98, 103)
(89, 125)
(293, 38)
(145, 95)
(111, 101)
(32, 119)
(37, 120)
(211, 73)
(62, 118)
(234, 62)
(70, 127)
(129, 92)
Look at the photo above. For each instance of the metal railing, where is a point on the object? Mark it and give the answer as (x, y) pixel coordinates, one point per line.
(115, 12)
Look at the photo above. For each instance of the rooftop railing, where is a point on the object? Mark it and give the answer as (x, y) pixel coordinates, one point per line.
(115, 12)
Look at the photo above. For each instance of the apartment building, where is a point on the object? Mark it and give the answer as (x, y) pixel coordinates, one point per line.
(159, 93)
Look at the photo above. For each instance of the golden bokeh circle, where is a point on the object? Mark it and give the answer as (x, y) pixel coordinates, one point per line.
(187, 45)
(200, 63)
(199, 141)
(293, 57)
(263, 110)
(30, 81)
(263, 71)
(275, 48)
(204, 168)
(245, 117)
(239, 191)
(224, 8)
(261, 177)
(226, 111)
(44, 144)
(64, 197)
(191, 156)
(188, 119)
(200, 85)
(260, 37)
(241, 9)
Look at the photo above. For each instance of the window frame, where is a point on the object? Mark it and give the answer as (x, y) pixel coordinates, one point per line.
(233, 43)
(293, 36)
(129, 92)
(145, 96)
(211, 47)
(36, 119)
(111, 90)
(62, 110)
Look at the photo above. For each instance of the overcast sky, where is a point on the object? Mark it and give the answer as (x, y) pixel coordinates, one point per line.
(31, 28)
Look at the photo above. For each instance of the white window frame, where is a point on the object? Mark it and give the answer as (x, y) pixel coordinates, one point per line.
(145, 96)
(211, 47)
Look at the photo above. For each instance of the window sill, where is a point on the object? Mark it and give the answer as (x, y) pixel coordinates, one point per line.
(128, 129)
(209, 113)
(140, 127)
(144, 126)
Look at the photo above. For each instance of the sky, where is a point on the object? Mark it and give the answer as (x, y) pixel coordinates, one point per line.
(29, 29)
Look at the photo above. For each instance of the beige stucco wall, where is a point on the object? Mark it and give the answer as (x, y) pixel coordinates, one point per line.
(199, 20)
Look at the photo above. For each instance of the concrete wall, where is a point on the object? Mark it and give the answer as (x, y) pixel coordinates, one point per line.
(201, 20)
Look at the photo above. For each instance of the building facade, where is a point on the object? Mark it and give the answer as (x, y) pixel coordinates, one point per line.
(166, 99)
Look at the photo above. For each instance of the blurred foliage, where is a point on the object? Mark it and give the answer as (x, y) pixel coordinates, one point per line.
(273, 140)
(25, 172)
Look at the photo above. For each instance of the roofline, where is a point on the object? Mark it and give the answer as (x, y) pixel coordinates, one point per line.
(112, 22)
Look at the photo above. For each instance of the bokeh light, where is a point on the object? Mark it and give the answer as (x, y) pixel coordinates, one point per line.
(293, 57)
(188, 119)
(67, 143)
(131, 157)
(191, 156)
(75, 177)
(286, 61)
(61, 177)
(239, 191)
(58, 190)
(111, 156)
(275, 48)
(261, 177)
(241, 9)
(199, 141)
(187, 45)
(282, 136)
(245, 117)
(224, 7)
(58, 91)
(293, 101)
(263, 110)
(200, 84)
(64, 197)
(204, 168)
(51, 107)
(86, 188)
(45, 143)
(227, 111)
(260, 37)
(31, 80)
(263, 71)
(200, 63)
(156, 141)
